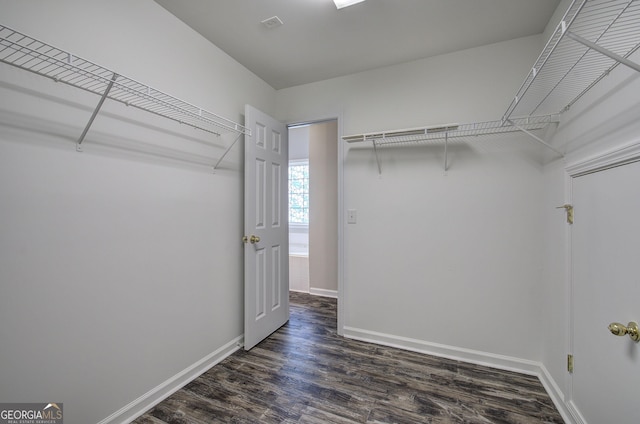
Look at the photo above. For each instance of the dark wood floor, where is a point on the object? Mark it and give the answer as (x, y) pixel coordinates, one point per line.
(306, 373)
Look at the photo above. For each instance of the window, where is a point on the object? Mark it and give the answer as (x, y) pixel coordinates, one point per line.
(299, 192)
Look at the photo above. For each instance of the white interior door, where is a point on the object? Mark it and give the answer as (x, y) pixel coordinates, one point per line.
(606, 288)
(266, 249)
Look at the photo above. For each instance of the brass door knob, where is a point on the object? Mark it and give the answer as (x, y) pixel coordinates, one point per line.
(631, 329)
(253, 239)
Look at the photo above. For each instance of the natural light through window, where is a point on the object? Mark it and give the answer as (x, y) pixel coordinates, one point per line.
(299, 192)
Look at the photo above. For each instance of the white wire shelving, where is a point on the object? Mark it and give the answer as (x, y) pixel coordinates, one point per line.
(27, 53)
(450, 132)
(593, 37)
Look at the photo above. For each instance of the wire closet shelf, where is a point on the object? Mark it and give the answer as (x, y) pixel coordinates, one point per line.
(593, 38)
(32, 55)
(454, 131)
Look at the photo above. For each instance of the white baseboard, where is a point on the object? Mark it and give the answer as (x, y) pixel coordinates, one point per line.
(492, 360)
(575, 414)
(323, 292)
(557, 396)
(139, 406)
(450, 352)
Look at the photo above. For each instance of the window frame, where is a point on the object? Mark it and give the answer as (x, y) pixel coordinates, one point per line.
(296, 162)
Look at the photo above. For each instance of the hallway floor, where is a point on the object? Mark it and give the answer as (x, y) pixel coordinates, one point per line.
(306, 373)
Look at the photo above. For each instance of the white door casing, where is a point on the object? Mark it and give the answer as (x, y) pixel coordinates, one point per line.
(266, 262)
(605, 261)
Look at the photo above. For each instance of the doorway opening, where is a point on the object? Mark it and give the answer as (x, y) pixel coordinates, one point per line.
(313, 208)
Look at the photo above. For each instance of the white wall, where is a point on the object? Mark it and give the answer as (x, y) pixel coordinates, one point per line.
(323, 202)
(469, 86)
(120, 267)
(448, 260)
(555, 298)
(299, 273)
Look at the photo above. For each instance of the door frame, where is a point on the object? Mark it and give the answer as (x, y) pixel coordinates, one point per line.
(611, 158)
(335, 116)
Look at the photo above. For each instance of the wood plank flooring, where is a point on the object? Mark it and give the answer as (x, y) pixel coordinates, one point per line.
(306, 373)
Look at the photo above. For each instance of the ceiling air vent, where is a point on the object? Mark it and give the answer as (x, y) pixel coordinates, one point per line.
(272, 22)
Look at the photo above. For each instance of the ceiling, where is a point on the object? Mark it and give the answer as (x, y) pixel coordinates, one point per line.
(318, 41)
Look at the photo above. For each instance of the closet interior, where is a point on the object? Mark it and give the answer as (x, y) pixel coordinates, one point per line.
(592, 39)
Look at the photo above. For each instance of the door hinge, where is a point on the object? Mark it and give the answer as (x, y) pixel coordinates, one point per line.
(570, 363)
(569, 209)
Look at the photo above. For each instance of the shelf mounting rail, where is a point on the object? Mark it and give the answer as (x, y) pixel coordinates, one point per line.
(30, 54)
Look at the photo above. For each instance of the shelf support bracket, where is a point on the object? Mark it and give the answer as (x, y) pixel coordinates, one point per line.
(446, 142)
(95, 112)
(602, 50)
(375, 151)
(226, 152)
(535, 137)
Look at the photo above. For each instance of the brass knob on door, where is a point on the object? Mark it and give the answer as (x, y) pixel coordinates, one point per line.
(253, 239)
(631, 329)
